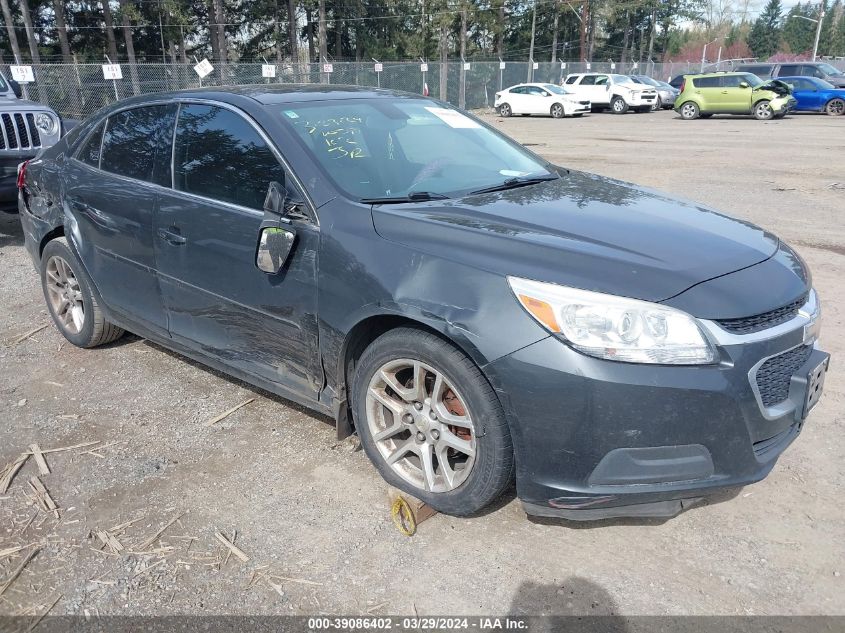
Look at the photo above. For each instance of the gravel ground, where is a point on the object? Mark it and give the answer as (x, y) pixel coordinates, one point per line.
(310, 513)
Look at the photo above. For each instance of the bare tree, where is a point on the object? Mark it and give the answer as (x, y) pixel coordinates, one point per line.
(125, 9)
(30, 32)
(292, 35)
(61, 27)
(555, 28)
(110, 41)
(462, 96)
(213, 39)
(10, 29)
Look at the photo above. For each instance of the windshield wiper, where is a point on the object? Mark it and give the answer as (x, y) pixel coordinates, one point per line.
(414, 196)
(513, 183)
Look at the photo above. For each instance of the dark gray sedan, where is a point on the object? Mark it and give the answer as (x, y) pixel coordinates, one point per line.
(473, 312)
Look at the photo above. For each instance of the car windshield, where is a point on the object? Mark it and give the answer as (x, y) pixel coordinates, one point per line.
(829, 70)
(390, 148)
(622, 79)
(648, 80)
(555, 89)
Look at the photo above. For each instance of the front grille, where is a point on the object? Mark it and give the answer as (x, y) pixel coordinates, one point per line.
(19, 131)
(759, 322)
(774, 376)
(584, 102)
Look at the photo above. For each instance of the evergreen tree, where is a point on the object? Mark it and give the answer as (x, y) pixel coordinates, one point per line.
(764, 38)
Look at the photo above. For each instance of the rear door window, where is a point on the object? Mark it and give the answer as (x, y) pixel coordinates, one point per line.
(89, 153)
(588, 80)
(572, 79)
(706, 82)
(219, 155)
(787, 70)
(137, 143)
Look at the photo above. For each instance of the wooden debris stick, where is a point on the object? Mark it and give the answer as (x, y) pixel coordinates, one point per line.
(10, 471)
(43, 497)
(150, 568)
(301, 581)
(43, 468)
(18, 571)
(41, 617)
(13, 550)
(226, 414)
(66, 448)
(155, 536)
(26, 335)
(237, 551)
(122, 526)
(99, 448)
(109, 541)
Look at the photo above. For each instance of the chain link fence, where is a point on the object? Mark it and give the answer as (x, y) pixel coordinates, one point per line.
(77, 90)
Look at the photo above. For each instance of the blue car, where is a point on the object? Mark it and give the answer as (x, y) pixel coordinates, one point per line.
(816, 95)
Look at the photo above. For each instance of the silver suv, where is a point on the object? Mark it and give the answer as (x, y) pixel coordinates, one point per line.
(25, 128)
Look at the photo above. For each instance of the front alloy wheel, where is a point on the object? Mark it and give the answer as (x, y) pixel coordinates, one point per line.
(420, 425)
(618, 105)
(557, 111)
(763, 111)
(430, 422)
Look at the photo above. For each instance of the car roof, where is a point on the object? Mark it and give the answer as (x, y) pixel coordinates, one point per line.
(268, 94)
(718, 74)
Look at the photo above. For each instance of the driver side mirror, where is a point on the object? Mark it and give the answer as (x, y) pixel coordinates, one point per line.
(16, 88)
(275, 242)
(743, 84)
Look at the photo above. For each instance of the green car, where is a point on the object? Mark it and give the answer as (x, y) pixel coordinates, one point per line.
(733, 93)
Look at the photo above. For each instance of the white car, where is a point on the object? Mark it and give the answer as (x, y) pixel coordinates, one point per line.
(617, 92)
(539, 98)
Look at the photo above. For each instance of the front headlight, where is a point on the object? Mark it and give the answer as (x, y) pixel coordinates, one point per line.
(615, 328)
(46, 123)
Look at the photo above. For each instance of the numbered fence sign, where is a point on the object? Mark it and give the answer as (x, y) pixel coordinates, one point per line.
(424, 68)
(379, 67)
(467, 65)
(328, 68)
(22, 74)
(268, 71)
(501, 65)
(612, 66)
(204, 68)
(112, 71)
(589, 65)
(536, 65)
(563, 65)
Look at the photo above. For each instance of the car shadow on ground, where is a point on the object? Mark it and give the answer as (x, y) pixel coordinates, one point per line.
(11, 231)
(595, 608)
(719, 497)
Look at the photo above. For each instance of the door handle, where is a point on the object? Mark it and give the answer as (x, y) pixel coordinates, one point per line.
(171, 237)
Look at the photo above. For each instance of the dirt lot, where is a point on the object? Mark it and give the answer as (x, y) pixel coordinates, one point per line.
(310, 513)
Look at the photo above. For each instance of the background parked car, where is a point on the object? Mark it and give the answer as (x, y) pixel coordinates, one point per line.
(820, 70)
(665, 93)
(816, 95)
(617, 92)
(539, 98)
(26, 128)
(677, 81)
(733, 93)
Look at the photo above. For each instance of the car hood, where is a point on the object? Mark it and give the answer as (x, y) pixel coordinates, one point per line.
(780, 88)
(13, 104)
(583, 231)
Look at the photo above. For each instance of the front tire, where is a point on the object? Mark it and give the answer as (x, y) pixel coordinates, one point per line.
(70, 299)
(689, 111)
(618, 105)
(835, 107)
(763, 111)
(505, 110)
(431, 423)
(658, 105)
(557, 111)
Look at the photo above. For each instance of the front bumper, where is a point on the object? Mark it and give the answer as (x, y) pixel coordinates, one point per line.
(784, 104)
(600, 439)
(642, 100)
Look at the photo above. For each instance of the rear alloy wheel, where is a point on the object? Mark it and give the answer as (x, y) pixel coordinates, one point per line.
(690, 111)
(835, 107)
(505, 110)
(763, 111)
(71, 302)
(430, 422)
(618, 105)
(557, 111)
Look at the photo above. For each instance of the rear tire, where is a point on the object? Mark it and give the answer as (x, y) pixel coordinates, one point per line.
(689, 111)
(618, 105)
(505, 110)
(398, 430)
(71, 302)
(835, 107)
